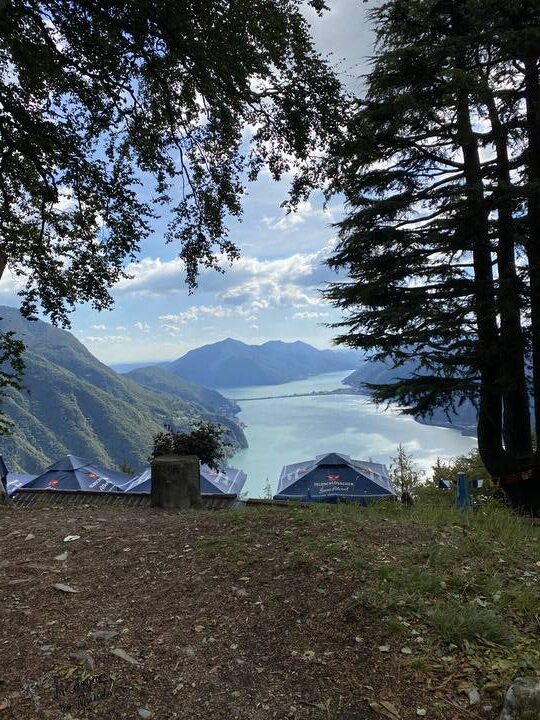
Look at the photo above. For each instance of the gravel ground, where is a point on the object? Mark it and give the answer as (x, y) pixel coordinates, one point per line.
(149, 614)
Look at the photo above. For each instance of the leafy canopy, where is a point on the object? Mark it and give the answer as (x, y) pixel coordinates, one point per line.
(111, 111)
(206, 441)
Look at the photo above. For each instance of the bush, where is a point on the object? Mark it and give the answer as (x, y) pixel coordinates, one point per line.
(205, 441)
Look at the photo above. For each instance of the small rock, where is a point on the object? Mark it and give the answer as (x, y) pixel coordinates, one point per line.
(72, 538)
(189, 651)
(144, 713)
(29, 536)
(122, 654)
(104, 634)
(64, 588)
(474, 696)
(61, 557)
(384, 648)
(84, 658)
(421, 712)
(406, 650)
(522, 699)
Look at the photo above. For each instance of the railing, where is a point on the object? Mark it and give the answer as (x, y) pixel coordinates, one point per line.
(33, 498)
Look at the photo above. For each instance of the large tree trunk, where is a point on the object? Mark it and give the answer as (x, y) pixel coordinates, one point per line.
(475, 227)
(531, 499)
(3, 262)
(532, 97)
(516, 413)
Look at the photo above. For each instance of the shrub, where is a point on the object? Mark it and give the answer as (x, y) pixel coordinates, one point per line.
(205, 441)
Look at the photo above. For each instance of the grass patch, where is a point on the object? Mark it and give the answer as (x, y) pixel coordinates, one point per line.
(459, 623)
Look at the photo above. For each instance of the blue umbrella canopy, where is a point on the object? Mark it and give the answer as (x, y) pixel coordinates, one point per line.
(228, 481)
(75, 473)
(3, 469)
(140, 483)
(333, 476)
(17, 480)
(3, 477)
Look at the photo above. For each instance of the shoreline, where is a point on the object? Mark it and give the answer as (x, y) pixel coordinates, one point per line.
(464, 430)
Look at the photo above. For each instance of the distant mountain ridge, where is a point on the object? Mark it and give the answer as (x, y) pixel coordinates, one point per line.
(231, 363)
(78, 405)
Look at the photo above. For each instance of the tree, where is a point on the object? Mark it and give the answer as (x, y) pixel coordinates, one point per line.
(126, 468)
(471, 464)
(403, 473)
(11, 369)
(438, 168)
(205, 441)
(102, 100)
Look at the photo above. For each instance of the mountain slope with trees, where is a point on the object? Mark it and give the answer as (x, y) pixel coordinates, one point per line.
(162, 380)
(231, 363)
(72, 403)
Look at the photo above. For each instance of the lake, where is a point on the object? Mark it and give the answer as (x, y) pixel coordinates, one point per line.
(286, 430)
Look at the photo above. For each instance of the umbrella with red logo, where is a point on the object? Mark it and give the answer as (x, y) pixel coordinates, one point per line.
(333, 477)
(75, 473)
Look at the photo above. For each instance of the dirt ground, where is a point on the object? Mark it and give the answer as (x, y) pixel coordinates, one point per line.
(200, 615)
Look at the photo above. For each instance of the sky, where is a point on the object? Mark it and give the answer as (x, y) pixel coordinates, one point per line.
(271, 292)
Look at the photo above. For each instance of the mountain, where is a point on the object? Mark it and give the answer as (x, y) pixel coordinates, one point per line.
(163, 381)
(464, 418)
(231, 363)
(72, 403)
(128, 367)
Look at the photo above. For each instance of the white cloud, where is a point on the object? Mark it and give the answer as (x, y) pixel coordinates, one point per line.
(10, 284)
(303, 212)
(153, 276)
(307, 315)
(100, 340)
(156, 277)
(143, 327)
(195, 312)
(98, 327)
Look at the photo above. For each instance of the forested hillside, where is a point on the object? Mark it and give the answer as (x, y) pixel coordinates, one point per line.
(74, 403)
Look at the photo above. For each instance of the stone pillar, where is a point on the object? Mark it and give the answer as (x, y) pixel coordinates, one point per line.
(175, 482)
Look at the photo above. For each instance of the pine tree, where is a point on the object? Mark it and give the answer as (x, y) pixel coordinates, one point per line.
(438, 166)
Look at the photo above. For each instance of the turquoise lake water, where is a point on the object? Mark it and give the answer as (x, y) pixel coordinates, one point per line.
(286, 430)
